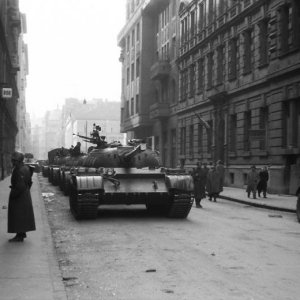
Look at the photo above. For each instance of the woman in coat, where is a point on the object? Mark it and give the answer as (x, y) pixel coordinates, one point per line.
(20, 210)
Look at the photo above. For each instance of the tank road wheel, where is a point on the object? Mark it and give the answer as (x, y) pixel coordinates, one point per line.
(66, 183)
(84, 196)
(84, 205)
(180, 206)
(55, 176)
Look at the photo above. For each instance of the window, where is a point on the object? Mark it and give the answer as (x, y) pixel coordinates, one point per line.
(132, 107)
(291, 123)
(127, 108)
(137, 67)
(247, 127)
(127, 76)
(210, 63)
(247, 51)
(137, 104)
(132, 71)
(192, 80)
(138, 32)
(263, 124)
(201, 21)
(221, 7)
(232, 133)
(200, 75)
(200, 139)
(193, 21)
(232, 59)
(220, 61)
(128, 43)
(183, 84)
(182, 140)
(191, 140)
(132, 38)
(210, 10)
(209, 131)
(263, 43)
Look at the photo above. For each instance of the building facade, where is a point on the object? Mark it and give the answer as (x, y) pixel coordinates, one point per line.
(237, 86)
(239, 64)
(149, 47)
(10, 30)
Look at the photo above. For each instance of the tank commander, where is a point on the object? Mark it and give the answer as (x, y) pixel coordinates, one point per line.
(76, 150)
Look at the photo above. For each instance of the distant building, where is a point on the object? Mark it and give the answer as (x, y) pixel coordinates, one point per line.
(79, 117)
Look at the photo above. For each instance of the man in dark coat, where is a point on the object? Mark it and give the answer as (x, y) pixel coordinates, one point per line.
(213, 184)
(263, 182)
(20, 209)
(252, 181)
(199, 176)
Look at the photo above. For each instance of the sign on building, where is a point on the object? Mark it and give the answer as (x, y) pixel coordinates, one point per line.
(6, 93)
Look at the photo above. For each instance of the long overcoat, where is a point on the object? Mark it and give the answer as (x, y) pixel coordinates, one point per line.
(199, 177)
(20, 209)
(213, 185)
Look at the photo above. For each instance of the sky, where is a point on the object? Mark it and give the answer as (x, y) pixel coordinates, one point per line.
(72, 51)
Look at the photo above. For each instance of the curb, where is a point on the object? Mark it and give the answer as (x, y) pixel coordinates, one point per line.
(59, 291)
(260, 205)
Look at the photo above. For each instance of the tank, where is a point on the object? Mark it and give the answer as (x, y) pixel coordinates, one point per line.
(112, 174)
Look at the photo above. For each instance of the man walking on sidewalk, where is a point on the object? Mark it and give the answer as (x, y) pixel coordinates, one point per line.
(252, 181)
(20, 210)
(263, 182)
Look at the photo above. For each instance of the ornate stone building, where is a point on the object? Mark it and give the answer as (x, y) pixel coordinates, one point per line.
(239, 64)
(149, 47)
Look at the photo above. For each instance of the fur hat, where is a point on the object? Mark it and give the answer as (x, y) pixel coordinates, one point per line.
(17, 156)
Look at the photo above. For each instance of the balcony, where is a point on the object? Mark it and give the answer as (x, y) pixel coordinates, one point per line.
(159, 111)
(160, 70)
(134, 122)
(217, 93)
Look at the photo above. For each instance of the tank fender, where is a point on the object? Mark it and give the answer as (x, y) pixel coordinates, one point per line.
(180, 182)
(89, 183)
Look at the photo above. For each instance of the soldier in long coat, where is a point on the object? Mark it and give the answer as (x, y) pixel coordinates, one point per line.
(252, 181)
(199, 176)
(20, 210)
(214, 184)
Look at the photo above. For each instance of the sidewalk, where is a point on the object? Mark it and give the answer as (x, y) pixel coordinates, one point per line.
(28, 270)
(276, 202)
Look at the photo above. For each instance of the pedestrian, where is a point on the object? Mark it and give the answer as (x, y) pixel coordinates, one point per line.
(199, 176)
(20, 210)
(252, 181)
(220, 168)
(213, 184)
(263, 182)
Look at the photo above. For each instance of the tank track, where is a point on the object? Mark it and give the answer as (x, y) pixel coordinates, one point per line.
(84, 205)
(181, 206)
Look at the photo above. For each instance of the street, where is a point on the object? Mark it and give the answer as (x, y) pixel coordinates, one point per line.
(223, 251)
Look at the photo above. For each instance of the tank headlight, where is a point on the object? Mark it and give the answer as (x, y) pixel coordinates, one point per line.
(110, 172)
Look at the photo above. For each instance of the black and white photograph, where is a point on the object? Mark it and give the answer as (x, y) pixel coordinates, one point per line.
(149, 150)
